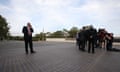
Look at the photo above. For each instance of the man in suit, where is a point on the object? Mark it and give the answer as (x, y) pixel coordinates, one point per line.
(81, 39)
(91, 40)
(27, 31)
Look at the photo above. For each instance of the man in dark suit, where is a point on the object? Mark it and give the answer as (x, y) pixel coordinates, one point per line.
(91, 40)
(81, 40)
(27, 31)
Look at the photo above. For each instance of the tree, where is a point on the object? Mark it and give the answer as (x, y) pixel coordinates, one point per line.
(65, 30)
(4, 29)
(66, 34)
(73, 31)
(57, 34)
(41, 36)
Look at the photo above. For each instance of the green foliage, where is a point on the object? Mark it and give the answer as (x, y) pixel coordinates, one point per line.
(4, 29)
(65, 30)
(57, 34)
(16, 38)
(41, 36)
(64, 33)
(72, 32)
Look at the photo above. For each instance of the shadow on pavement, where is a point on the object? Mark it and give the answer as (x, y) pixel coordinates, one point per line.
(114, 50)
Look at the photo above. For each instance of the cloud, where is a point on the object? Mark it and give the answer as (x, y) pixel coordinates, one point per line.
(58, 14)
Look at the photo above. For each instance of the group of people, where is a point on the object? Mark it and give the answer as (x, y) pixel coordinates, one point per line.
(89, 37)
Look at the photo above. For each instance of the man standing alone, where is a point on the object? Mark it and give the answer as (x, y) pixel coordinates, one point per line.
(27, 31)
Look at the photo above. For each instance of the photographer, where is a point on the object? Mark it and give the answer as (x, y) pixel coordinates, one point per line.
(109, 41)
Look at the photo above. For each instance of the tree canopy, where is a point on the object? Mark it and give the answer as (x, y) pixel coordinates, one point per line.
(4, 29)
(73, 31)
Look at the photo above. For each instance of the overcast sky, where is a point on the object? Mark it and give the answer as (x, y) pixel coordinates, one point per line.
(55, 15)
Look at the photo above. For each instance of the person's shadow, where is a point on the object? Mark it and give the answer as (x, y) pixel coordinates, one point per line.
(114, 50)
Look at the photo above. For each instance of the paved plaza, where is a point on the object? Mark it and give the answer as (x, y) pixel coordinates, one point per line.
(56, 57)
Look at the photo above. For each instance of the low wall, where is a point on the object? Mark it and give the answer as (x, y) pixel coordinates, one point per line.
(55, 39)
(60, 40)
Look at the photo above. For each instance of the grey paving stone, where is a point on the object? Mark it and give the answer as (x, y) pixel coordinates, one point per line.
(56, 57)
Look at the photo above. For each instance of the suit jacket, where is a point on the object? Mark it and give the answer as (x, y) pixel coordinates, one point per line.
(92, 34)
(25, 32)
(81, 36)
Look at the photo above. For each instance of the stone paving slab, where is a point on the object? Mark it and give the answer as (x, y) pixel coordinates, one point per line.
(56, 57)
